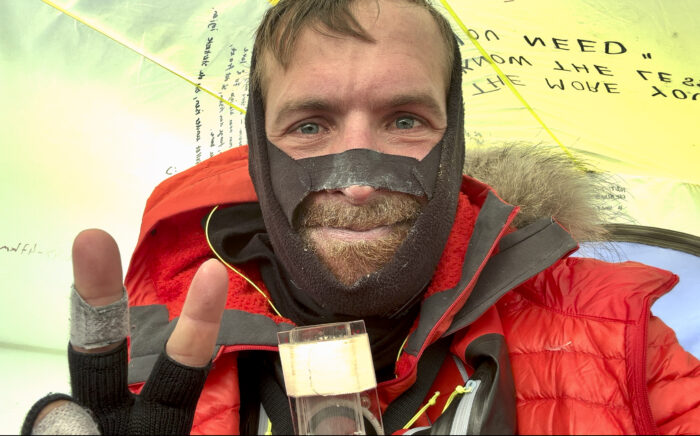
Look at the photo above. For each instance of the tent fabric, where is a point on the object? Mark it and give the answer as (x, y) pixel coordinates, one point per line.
(100, 105)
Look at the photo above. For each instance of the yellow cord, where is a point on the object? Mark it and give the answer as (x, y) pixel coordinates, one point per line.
(459, 390)
(403, 344)
(141, 53)
(269, 427)
(206, 234)
(508, 83)
(422, 410)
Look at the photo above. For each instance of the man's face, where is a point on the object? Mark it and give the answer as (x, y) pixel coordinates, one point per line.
(341, 93)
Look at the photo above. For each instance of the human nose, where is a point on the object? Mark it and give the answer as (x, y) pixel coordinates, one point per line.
(358, 133)
(358, 194)
(357, 130)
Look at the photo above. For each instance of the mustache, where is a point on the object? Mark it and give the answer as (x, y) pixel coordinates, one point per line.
(385, 209)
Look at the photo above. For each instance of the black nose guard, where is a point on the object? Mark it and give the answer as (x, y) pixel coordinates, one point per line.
(293, 180)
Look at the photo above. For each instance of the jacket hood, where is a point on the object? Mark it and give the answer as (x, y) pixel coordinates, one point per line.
(172, 245)
(544, 182)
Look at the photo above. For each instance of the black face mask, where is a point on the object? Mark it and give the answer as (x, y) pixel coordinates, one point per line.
(282, 183)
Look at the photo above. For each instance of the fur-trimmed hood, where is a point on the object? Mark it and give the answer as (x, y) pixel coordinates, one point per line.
(544, 182)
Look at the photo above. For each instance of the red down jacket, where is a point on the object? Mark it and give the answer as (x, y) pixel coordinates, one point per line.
(558, 344)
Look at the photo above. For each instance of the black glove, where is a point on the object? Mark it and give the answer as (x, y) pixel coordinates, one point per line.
(99, 383)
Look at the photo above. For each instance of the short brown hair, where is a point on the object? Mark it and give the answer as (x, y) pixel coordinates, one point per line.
(283, 22)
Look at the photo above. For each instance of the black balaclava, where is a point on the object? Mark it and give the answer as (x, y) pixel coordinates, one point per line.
(281, 184)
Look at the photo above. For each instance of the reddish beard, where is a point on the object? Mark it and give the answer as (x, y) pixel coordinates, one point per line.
(391, 213)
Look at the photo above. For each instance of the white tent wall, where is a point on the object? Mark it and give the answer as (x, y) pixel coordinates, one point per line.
(90, 126)
(93, 128)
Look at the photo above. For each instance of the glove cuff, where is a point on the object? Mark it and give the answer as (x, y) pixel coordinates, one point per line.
(30, 419)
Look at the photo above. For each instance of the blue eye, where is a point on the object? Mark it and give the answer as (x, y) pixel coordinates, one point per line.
(405, 123)
(308, 128)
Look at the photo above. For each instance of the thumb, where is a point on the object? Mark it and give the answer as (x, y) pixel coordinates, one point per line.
(97, 277)
(97, 267)
(194, 338)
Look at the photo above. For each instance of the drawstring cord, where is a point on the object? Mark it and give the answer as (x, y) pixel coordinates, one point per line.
(403, 344)
(422, 410)
(459, 390)
(206, 234)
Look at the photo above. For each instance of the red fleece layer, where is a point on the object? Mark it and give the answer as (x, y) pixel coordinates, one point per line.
(449, 268)
(178, 248)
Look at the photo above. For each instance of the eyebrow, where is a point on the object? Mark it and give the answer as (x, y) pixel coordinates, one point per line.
(305, 104)
(314, 104)
(420, 98)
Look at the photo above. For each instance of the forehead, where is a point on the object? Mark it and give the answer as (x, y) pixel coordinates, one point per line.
(407, 42)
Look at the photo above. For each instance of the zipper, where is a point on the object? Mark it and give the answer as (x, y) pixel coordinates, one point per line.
(233, 348)
(464, 408)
